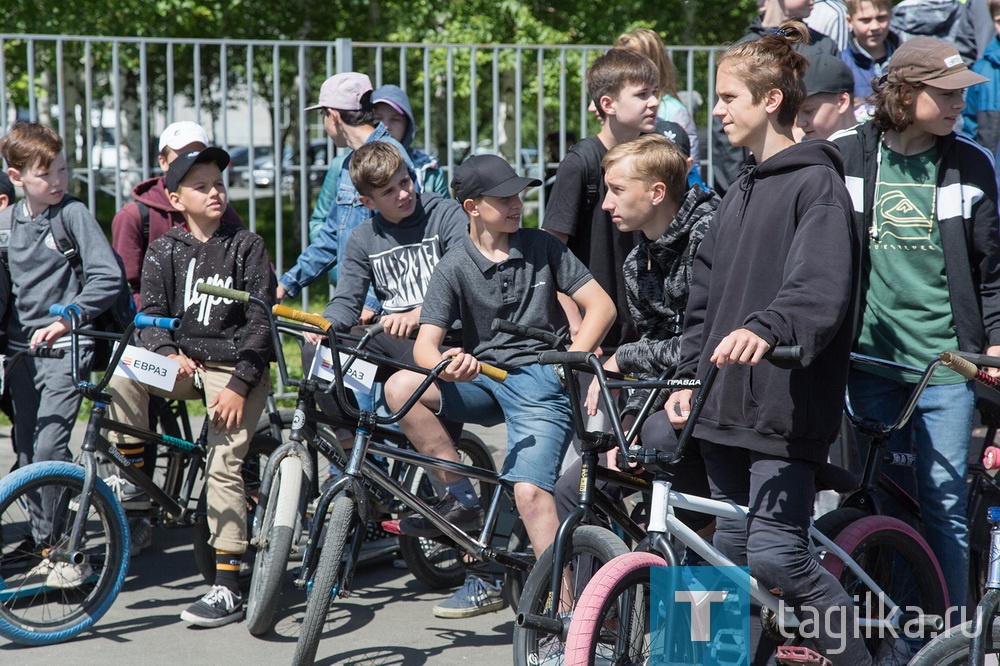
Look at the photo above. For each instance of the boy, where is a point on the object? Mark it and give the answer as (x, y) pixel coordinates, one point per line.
(46, 402)
(872, 44)
(623, 84)
(345, 101)
(828, 106)
(223, 347)
(981, 116)
(142, 221)
(499, 271)
(392, 109)
(646, 193)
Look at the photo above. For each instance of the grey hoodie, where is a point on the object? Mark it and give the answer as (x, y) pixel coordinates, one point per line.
(41, 276)
(396, 259)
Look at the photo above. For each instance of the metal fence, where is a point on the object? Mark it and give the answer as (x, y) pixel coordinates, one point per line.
(111, 97)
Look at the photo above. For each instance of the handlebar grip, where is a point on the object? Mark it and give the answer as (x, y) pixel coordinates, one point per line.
(979, 359)
(375, 329)
(786, 353)
(492, 372)
(146, 321)
(504, 326)
(316, 320)
(223, 292)
(560, 358)
(46, 352)
(64, 311)
(960, 365)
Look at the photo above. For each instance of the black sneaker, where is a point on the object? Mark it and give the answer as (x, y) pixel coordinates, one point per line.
(467, 520)
(220, 606)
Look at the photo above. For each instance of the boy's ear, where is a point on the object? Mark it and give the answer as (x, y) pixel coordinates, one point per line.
(773, 99)
(175, 201)
(15, 176)
(4, 201)
(367, 202)
(658, 193)
(845, 103)
(607, 104)
(470, 207)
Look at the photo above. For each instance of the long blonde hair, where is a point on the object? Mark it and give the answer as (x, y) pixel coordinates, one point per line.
(648, 43)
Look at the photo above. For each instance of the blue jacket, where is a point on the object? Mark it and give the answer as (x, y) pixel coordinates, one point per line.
(981, 118)
(346, 213)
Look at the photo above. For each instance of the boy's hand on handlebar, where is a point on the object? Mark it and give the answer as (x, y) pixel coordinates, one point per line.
(993, 350)
(401, 324)
(463, 367)
(741, 347)
(367, 317)
(313, 339)
(228, 406)
(46, 336)
(678, 407)
(187, 367)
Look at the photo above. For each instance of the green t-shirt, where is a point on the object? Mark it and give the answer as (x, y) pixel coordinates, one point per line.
(907, 317)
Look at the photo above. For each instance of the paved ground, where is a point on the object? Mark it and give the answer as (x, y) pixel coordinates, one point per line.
(387, 621)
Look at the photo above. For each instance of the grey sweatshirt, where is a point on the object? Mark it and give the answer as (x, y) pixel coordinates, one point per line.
(396, 259)
(41, 275)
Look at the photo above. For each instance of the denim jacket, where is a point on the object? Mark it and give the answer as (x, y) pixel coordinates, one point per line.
(346, 213)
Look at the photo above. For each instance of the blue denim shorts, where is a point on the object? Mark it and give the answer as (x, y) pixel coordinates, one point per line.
(536, 409)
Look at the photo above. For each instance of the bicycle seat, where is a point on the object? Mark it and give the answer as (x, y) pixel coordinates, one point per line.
(838, 479)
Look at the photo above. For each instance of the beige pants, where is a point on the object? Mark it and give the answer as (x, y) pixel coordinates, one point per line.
(227, 511)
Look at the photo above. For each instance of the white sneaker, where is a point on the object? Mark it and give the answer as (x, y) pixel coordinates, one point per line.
(131, 496)
(66, 576)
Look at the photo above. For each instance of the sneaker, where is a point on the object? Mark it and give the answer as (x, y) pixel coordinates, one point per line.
(38, 574)
(140, 535)
(131, 496)
(467, 520)
(66, 576)
(220, 606)
(475, 597)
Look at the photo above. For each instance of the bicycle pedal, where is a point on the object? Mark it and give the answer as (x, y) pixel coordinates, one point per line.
(392, 527)
(797, 654)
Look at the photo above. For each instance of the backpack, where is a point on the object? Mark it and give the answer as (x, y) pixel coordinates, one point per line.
(113, 320)
(593, 175)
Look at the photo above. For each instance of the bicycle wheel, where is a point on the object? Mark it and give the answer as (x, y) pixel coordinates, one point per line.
(435, 564)
(981, 497)
(902, 564)
(592, 547)
(276, 536)
(612, 616)
(952, 648)
(339, 523)
(253, 468)
(32, 612)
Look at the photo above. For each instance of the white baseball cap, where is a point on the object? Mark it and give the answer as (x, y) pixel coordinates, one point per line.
(344, 92)
(183, 133)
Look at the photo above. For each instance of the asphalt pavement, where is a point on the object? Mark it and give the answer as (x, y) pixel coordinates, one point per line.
(387, 620)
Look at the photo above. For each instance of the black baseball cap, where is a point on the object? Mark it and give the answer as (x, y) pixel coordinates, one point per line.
(828, 74)
(677, 135)
(488, 175)
(6, 187)
(183, 164)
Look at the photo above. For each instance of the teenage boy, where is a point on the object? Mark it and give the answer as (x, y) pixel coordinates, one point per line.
(872, 44)
(222, 347)
(392, 109)
(345, 102)
(623, 85)
(46, 402)
(981, 117)
(828, 106)
(142, 221)
(499, 271)
(647, 193)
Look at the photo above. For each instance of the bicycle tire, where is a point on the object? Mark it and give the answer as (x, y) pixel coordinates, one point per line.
(900, 562)
(31, 613)
(833, 523)
(339, 523)
(951, 648)
(591, 548)
(981, 497)
(435, 564)
(626, 572)
(277, 535)
(253, 468)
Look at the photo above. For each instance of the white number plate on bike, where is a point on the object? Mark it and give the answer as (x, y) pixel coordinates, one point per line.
(359, 377)
(148, 368)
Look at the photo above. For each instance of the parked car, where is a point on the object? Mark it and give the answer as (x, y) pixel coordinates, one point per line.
(239, 162)
(316, 165)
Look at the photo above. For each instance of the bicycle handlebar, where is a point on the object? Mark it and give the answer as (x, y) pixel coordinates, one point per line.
(64, 311)
(316, 320)
(549, 338)
(146, 321)
(223, 292)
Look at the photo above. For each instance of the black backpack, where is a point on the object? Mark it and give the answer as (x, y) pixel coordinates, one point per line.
(593, 174)
(113, 320)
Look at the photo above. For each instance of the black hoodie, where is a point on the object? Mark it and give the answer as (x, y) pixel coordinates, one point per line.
(212, 329)
(781, 260)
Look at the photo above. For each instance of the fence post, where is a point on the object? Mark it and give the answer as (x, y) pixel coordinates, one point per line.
(345, 58)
